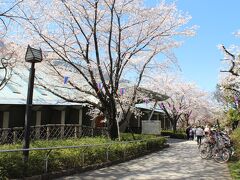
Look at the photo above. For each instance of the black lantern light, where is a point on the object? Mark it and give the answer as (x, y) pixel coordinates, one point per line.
(33, 55)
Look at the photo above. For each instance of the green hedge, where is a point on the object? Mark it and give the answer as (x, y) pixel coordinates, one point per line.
(11, 164)
(131, 137)
(235, 136)
(177, 135)
(234, 165)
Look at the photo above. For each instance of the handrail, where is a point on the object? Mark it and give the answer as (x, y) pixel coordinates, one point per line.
(50, 149)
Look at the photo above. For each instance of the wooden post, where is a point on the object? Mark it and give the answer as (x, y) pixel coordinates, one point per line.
(75, 132)
(48, 132)
(80, 118)
(14, 136)
(5, 125)
(63, 114)
(5, 120)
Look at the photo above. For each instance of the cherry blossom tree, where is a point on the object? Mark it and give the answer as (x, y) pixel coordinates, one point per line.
(7, 15)
(229, 83)
(7, 55)
(187, 104)
(7, 62)
(97, 45)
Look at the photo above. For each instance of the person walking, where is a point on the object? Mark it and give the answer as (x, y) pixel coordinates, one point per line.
(199, 134)
(191, 134)
(194, 132)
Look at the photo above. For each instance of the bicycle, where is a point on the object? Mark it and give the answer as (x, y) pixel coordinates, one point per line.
(214, 147)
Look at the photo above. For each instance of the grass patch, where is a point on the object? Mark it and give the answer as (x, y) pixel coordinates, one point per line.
(234, 165)
(11, 164)
(234, 168)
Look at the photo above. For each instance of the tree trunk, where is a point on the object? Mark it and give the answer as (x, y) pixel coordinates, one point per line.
(187, 119)
(111, 115)
(112, 127)
(187, 123)
(174, 124)
(113, 131)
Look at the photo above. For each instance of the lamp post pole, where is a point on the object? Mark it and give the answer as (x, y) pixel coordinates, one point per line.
(33, 56)
(28, 113)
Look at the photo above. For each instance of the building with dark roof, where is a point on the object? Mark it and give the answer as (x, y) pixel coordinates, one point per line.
(50, 110)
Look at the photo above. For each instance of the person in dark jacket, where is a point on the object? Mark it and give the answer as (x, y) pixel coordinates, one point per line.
(188, 131)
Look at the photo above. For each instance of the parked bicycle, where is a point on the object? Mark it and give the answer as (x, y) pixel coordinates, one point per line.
(217, 146)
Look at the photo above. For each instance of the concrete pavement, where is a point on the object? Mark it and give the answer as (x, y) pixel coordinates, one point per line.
(179, 161)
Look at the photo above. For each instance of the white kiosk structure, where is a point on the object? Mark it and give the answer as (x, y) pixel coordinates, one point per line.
(152, 126)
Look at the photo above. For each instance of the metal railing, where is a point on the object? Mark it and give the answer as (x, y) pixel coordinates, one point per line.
(82, 149)
(50, 131)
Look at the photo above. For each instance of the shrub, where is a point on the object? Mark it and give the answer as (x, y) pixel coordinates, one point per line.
(234, 165)
(11, 164)
(177, 135)
(235, 136)
(131, 137)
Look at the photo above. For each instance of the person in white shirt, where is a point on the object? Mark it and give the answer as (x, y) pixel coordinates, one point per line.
(199, 134)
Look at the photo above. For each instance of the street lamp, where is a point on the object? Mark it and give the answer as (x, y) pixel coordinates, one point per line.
(33, 56)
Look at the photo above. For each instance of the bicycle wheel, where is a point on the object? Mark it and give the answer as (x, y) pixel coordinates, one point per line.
(221, 156)
(205, 151)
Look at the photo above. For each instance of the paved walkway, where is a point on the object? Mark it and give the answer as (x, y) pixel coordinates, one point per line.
(180, 161)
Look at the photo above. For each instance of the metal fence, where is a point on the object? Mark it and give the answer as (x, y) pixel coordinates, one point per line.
(81, 148)
(50, 131)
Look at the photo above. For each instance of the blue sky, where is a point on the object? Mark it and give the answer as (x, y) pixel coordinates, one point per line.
(199, 57)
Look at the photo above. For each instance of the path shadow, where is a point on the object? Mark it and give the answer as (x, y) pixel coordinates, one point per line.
(171, 140)
(180, 161)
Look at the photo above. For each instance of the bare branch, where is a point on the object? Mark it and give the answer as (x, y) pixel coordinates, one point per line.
(233, 64)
